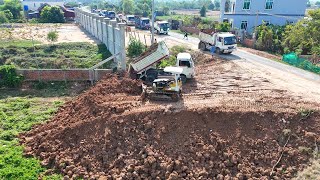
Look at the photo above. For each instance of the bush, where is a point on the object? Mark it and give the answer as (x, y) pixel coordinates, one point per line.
(135, 48)
(174, 51)
(52, 36)
(9, 77)
(52, 14)
(3, 18)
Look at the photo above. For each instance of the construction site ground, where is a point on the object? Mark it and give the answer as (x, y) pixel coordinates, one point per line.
(237, 120)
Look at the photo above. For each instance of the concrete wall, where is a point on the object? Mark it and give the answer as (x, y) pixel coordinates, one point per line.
(109, 32)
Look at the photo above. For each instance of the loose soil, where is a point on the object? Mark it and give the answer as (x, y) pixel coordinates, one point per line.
(229, 124)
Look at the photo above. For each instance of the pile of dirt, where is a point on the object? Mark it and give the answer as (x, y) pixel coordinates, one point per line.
(106, 133)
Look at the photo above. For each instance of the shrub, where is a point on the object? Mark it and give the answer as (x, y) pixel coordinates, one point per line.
(52, 36)
(9, 77)
(135, 48)
(174, 51)
(52, 14)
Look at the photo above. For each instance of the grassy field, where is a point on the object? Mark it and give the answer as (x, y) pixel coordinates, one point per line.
(28, 55)
(18, 114)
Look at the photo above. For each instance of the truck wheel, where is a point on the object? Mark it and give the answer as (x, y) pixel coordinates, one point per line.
(183, 79)
(218, 51)
(202, 46)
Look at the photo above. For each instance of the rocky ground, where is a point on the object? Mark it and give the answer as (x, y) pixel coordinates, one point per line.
(230, 125)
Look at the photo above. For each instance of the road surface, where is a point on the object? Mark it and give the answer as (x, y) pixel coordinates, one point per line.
(300, 83)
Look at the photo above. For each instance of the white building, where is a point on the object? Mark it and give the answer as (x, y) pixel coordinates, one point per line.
(33, 5)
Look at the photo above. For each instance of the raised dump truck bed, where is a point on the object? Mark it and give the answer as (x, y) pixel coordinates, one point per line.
(154, 54)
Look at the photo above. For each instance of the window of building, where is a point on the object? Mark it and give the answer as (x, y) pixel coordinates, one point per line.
(244, 25)
(269, 4)
(246, 4)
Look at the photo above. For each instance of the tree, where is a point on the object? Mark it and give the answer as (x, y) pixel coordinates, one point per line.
(308, 4)
(14, 6)
(224, 27)
(128, 6)
(52, 36)
(8, 14)
(72, 4)
(217, 4)
(211, 6)
(135, 48)
(304, 36)
(51, 14)
(203, 11)
(166, 10)
(3, 18)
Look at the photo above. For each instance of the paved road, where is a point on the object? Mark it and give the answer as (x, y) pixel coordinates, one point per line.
(252, 58)
(300, 83)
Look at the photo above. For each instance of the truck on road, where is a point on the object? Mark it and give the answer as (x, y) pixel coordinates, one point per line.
(144, 68)
(130, 20)
(142, 23)
(161, 27)
(223, 42)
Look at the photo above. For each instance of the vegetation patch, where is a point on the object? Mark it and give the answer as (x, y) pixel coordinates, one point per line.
(26, 55)
(18, 114)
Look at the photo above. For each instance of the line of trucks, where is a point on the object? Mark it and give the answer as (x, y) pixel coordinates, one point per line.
(162, 84)
(160, 27)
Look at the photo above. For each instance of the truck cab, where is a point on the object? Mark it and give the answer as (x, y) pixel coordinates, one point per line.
(185, 61)
(142, 23)
(130, 20)
(225, 43)
(161, 27)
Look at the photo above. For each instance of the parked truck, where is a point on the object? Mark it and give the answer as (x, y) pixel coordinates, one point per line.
(144, 68)
(108, 14)
(161, 27)
(130, 20)
(223, 42)
(142, 23)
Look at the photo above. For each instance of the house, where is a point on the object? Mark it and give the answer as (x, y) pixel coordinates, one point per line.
(34, 5)
(68, 14)
(245, 15)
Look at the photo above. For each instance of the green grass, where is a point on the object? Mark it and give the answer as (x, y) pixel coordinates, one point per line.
(18, 114)
(18, 43)
(58, 56)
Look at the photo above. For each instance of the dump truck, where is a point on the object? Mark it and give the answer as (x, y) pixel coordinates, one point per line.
(223, 42)
(142, 23)
(130, 20)
(161, 27)
(143, 67)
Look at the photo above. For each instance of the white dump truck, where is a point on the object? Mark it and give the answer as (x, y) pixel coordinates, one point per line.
(144, 67)
(161, 27)
(223, 42)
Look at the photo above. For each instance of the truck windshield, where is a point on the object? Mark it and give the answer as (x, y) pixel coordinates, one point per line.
(112, 14)
(229, 40)
(131, 18)
(145, 21)
(164, 25)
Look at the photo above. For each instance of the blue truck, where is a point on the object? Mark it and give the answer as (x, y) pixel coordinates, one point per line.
(142, 23)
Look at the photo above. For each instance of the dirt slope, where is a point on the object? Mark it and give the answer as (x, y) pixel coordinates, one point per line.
(108, 133)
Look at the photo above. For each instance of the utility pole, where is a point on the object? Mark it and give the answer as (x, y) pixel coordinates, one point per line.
(255, 26)
(152, 25)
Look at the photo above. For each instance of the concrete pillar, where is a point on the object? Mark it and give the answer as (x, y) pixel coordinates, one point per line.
(114, 25)
(100, 28)
(96, 33)
(91, 23)
(105, 30)
(122, 60)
